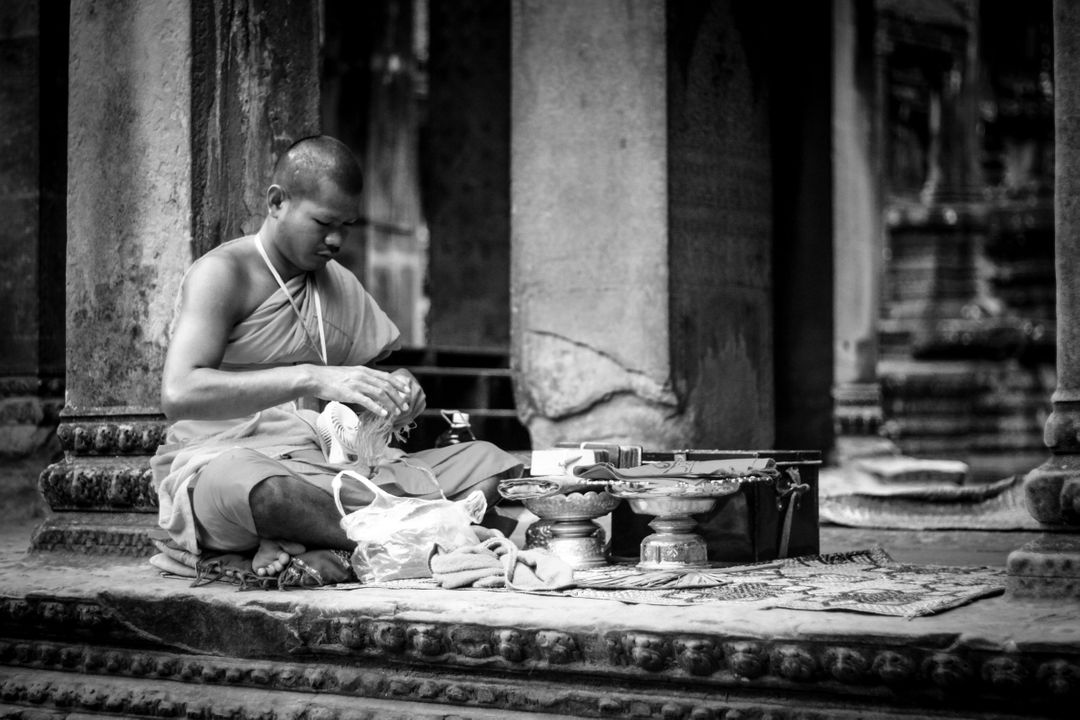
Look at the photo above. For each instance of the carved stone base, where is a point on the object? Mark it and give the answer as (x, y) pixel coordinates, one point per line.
(125, 534)
(1047, 568)
(101, 491)
(1052, 491)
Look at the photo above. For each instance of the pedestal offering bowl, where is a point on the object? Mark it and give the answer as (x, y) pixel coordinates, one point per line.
(674, 545)
(567, 525)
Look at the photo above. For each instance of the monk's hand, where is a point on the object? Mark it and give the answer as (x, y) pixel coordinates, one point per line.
(382, 393)
(417, 398)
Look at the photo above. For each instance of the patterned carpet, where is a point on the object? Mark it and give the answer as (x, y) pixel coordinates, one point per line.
(866, 581)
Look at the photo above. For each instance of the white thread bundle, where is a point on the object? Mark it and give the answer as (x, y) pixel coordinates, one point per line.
(348, 439)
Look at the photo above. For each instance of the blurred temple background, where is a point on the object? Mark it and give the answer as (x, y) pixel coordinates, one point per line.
(956, 97)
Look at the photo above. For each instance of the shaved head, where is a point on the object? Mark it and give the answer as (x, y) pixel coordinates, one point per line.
(316, 159)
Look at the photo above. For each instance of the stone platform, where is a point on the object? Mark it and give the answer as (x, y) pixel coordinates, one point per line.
(109, 637)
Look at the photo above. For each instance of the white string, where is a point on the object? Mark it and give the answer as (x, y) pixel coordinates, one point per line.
(321, 348)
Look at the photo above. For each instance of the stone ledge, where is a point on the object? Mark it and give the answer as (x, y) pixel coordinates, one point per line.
(1045, 588)
(329, 694)
(92, 616)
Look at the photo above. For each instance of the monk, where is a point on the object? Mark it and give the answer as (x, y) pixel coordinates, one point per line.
(266, 327)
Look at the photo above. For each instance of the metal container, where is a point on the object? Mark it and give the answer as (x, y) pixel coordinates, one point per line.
(567, 527)
(673, 544)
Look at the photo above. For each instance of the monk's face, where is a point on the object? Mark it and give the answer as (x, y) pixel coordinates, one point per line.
(313, 227)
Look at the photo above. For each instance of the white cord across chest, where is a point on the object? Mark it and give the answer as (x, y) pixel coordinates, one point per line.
(321, 346)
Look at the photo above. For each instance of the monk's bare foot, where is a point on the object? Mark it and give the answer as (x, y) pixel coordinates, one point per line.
(273, 555)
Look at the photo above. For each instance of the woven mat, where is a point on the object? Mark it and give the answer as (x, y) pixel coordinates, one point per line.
(867, 581)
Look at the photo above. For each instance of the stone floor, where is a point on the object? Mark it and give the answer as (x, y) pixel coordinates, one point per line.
(108, 636)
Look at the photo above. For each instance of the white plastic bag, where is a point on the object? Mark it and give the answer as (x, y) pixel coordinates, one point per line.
(394, 535)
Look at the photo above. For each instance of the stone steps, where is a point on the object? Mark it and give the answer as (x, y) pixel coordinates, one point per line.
(108, 637)
(988, 414)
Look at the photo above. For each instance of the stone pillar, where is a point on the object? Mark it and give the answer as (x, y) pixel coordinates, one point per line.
(1051, 566)
(148, 139)
(858, 238)
(640, 224)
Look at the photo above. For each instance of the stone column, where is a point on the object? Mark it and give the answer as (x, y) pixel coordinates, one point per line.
(1051, 566)
(858, 238)
(160, 158)
(640, 224)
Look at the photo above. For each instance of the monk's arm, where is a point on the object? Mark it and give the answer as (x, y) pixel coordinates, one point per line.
(194, 387)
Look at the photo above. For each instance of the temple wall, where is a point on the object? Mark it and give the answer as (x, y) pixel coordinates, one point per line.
(24, 428)
(33, 63)
(720, 225)
(19, 186)
(805, 277)
(466, 173)
(253, 92)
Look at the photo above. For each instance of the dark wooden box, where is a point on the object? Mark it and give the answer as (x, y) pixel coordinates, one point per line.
(747, 526)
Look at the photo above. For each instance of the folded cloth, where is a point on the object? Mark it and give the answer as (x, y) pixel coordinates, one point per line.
(468, 566)
(537, 570)
(683, 469)
(170, 549)
(164, 563)
(497, 562)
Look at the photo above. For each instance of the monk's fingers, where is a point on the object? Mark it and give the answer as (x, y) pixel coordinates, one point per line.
(399, 381)
(386, 398)
(405, 381)
(374, 391)
(367, 402)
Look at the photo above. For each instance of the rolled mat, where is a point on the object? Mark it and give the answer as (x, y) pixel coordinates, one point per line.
(996, 506)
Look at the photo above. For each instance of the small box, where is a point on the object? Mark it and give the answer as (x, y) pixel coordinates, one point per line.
(750, 525)
(562, 461)
(621, 456)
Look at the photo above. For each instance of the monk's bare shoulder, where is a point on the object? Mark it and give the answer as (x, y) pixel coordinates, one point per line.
(229, 278)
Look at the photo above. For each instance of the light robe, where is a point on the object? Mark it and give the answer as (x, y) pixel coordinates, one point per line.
(357, 332)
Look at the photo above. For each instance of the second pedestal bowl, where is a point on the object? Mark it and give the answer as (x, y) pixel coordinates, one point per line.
(674, 545)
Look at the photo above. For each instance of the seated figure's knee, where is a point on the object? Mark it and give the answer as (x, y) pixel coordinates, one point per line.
(269, 494)
(490, 488)
(220, 500)
(226, 467)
